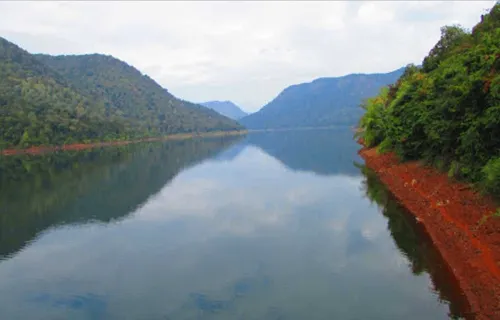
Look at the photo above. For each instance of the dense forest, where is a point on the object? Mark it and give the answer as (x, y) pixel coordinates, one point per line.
(320, 103)
(88, 98)
(446, 112)
(134, 96)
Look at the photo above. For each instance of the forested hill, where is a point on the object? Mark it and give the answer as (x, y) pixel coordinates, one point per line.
(88, 98)
(135, 96)
(226, 108)
(322, 102)
(447, 111)
(37, 106)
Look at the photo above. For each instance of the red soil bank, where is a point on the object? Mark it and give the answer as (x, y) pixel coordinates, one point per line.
(76, 146)
(83, 146)
(450, 212)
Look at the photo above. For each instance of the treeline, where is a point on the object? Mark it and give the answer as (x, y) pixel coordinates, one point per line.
(47, 100)
(446, 112)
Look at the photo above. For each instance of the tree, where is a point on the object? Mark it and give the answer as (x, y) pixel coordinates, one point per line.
(451, 36)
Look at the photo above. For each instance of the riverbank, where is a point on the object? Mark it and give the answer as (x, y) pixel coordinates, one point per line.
(454, 216)
(84, 146)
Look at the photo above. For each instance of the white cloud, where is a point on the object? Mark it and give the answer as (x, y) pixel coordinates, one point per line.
(375, 12)
(242, 51)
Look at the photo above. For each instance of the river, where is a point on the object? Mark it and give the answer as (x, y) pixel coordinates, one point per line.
(281, 225)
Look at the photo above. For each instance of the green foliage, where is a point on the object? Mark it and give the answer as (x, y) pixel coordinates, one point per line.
(385, 146)
(373, 122)
(491, 173)
(89, 98)
(38, 107)
(448, 111)
(128, 93)
(451, 36)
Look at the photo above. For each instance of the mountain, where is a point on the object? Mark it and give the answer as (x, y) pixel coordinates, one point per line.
(322, 102)
(135, 96)
(226, 108)
(88, 98)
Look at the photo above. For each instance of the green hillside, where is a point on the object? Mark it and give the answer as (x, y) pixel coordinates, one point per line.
(37, 106)
(99, 98)
(448, 111)
(135, 96)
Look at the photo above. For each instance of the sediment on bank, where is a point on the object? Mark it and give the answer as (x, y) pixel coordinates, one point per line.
(82, 146)
(455, 217)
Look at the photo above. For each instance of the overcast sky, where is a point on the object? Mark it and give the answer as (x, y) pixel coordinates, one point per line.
(246, 52)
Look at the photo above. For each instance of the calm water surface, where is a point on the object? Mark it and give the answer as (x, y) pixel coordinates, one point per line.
(284, 225)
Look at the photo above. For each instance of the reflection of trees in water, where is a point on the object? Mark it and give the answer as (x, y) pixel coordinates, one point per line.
(412, 240)
(322, 151)
(38, 192)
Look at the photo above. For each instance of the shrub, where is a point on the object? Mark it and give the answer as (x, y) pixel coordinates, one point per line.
(491, 180)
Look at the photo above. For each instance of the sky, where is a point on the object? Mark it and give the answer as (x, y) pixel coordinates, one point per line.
(246, 52)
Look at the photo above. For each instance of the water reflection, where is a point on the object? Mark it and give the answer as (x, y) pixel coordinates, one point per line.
(321, 151)
(243, 234)
(38, 192)
(412, 240)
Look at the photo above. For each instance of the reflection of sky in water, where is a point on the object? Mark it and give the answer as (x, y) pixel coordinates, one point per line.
(245, 238)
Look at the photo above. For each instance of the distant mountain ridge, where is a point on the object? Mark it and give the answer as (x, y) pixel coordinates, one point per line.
(226, 108)
(322, 102)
